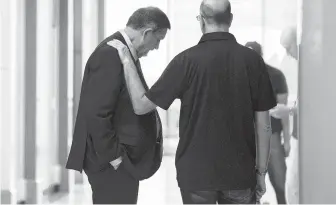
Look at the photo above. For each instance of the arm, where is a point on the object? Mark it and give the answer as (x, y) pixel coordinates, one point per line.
(263, 100)
(141, 104)
(282, 99)
(282, 111)
(170, 85)
(102, 90)
(263, 139)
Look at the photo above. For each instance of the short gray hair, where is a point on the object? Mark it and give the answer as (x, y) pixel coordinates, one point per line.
(149, 17)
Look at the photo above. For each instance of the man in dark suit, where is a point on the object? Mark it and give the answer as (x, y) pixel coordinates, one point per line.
(115, 147)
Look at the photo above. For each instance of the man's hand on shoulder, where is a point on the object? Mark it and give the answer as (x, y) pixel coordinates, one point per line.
(124, 53)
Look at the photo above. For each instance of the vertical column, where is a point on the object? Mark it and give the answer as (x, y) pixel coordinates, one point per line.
(56, 167)
(63, 94)
(77, 54)
(6, 102)
(30, 101)
(89, 29)
(101, 20)
(46, 137)
(77, 63)
(17, 59)
(1, 103)
(317, 103)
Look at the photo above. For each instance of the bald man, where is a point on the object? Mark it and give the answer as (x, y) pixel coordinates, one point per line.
(289, 41)
(225, 93)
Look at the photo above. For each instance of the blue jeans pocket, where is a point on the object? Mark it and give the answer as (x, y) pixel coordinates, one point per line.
(244, 196)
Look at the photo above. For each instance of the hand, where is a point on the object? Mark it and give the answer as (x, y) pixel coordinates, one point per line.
(261, 186)
(124, 53)
(280, 111)
(287, 148)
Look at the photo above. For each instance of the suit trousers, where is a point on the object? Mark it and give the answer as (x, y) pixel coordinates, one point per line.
(110, 186)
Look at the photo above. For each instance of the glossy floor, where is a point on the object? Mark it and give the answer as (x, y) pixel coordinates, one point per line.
(160, 189)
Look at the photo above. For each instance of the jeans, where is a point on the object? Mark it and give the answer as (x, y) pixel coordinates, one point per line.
(246, 196)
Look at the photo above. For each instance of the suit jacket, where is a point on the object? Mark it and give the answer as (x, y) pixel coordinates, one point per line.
(106, 126)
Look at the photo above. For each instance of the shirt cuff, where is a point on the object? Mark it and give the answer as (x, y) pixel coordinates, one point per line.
(155, 101)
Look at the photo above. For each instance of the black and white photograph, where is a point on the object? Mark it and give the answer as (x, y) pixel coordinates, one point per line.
(167, 102)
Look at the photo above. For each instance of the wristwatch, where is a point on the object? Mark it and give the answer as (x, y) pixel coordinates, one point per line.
(261, 173)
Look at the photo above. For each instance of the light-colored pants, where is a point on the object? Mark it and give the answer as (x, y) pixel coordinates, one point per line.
(292, 182)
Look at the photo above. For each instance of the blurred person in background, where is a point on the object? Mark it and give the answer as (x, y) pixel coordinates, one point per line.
(115, 147)
(279, 152)
(226, 94)
(289, 42)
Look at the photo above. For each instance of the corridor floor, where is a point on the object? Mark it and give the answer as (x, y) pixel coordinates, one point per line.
(160, 189)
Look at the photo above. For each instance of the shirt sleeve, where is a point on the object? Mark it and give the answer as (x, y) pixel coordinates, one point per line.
(171, 84)
(263, 97)
(282, 84)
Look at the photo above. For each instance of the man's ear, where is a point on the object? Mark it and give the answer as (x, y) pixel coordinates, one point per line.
(147, 31)
(231, 18)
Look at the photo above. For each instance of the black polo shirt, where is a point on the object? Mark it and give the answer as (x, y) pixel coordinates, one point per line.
(220, 84)
(279, 85)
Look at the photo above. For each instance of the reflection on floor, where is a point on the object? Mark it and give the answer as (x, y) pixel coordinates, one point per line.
(160, 189)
